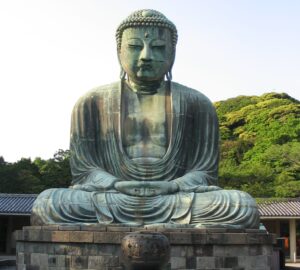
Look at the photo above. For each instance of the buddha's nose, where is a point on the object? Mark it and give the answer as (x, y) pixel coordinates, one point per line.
(146, 53)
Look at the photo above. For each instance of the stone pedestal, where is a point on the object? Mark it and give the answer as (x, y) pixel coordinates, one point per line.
(99, 247)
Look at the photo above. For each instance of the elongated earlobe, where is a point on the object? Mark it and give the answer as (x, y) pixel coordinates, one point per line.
(122, 74)
(169, 75)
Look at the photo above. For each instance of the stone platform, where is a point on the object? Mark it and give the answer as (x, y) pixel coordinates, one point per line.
(98, 247)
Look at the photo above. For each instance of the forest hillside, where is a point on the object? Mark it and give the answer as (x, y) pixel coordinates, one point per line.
(260, 151)
(260, 144)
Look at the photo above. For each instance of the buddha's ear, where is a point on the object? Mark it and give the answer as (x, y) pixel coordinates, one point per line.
(169, 73)
(173, 57)
(118, 53)
(122, 71)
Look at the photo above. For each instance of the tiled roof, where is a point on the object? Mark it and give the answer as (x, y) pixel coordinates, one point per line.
(285, 208)
(16, 204)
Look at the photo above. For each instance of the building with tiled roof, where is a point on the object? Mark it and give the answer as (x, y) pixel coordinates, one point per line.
(282, 208)
(15, 211)
(282, 217)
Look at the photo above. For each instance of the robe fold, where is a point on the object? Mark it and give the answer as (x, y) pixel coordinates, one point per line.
(99, 160)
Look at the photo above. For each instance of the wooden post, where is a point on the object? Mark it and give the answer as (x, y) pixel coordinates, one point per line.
(293, 254)
(8, 235)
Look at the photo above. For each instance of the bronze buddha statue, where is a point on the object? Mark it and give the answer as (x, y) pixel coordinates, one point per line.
(144, 150)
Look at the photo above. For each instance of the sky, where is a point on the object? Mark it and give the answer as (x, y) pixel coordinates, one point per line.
(52, 52)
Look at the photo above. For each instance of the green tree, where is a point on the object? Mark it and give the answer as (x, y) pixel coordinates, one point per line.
(55, 172)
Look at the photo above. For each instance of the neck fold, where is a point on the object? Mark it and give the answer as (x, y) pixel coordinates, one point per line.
(145, 88)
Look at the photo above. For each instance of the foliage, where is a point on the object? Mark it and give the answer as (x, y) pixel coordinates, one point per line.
(260, 147)
(270, 200)
(25, 176)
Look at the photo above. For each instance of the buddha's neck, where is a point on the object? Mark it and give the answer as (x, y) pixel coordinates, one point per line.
(145, 88)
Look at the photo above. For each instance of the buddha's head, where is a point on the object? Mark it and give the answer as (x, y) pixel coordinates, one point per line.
(146, 43)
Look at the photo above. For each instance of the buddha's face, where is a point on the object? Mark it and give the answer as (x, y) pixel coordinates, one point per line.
(146, 53)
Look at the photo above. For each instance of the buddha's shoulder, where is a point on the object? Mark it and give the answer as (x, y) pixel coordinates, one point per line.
(192, 95)
(99, 91)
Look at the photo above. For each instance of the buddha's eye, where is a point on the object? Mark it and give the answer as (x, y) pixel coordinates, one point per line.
(158, 44)
(135, 44)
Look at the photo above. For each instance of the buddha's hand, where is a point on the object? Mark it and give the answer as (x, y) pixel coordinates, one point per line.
(202, 189)
(96, 186)
(146, 188)
(88, 187)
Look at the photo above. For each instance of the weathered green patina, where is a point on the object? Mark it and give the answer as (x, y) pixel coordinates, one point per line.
(144, 151)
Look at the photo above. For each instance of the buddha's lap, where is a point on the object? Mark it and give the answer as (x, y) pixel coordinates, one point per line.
(212, 201)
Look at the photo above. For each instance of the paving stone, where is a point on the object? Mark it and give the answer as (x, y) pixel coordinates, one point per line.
(81, 237)
(178, 262)
(266, 250)
(199, 239)
(63, 260)
(32, 267)
(254, 231)
(194, 230)
(256, 238)
(180, 238)
(52, 260)
(69, 249)
(100, 262)
(216, 230)
(43, 260)
(60, 236)
(21, 266)
(118, 229)
(27, 258)
(253, 261)
(108, 237)
(254, 250)
(191, 262)
(50, 247)
(19, 235)
(31, 228)
(20, 258)
(93, 227)
(32, 235)
(235, 238)
(50, 227)
(108, 250)
(215, 238)
(79, 262)
(205, 251)
(178, 251)
(69, 228)
(205, 262)
(232, 230)
(35, 258)
(231, 262)
(230, 250)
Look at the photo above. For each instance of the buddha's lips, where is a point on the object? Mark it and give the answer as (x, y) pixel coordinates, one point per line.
(145, 66)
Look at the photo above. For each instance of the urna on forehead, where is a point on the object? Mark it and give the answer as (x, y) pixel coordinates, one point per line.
(146, 18)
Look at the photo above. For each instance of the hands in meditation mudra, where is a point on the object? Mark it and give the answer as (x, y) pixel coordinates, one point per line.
(145, 150)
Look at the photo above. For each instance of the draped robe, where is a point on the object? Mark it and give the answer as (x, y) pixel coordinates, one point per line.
(191, 160)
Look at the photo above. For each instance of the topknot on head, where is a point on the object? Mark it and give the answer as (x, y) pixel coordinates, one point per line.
(146, 17)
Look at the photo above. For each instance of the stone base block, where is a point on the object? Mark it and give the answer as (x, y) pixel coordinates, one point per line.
(98, 247)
